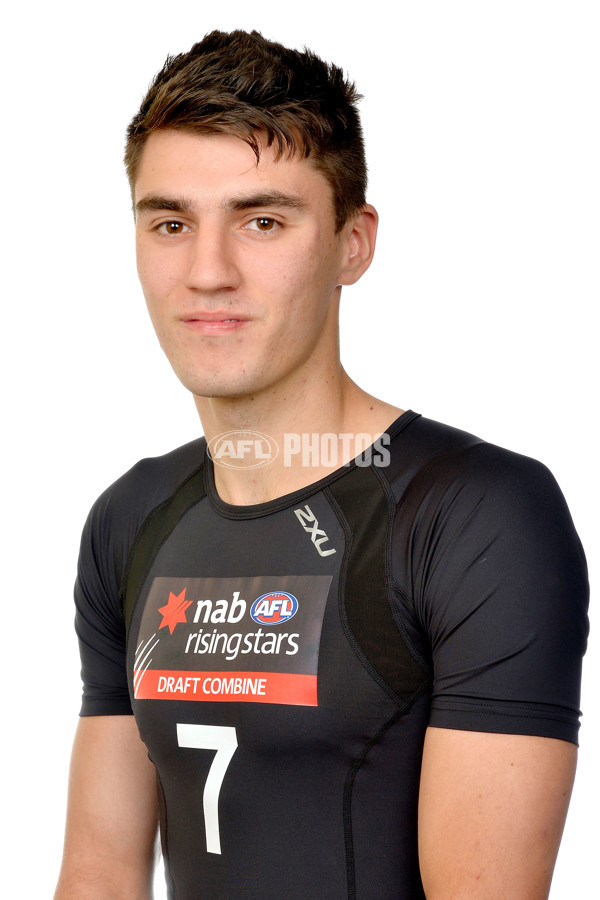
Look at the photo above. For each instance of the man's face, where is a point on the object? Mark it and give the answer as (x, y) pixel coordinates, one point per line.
(239, 263)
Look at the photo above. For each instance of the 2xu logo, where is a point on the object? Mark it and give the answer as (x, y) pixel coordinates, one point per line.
(309, 522)
(274, 608)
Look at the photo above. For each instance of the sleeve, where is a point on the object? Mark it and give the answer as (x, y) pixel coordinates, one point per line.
(502, 594)
(99, 618)
(108, 536)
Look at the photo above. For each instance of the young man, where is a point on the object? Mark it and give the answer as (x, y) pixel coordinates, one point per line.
(340, 621)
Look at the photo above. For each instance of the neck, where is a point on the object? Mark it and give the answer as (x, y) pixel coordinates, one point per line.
(266, 446)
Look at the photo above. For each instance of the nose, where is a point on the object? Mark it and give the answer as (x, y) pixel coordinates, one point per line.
(211, 265)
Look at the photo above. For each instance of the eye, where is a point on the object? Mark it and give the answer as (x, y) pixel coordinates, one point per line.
(172, 228)
(262, 224)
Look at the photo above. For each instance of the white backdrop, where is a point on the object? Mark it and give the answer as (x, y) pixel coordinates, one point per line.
(481, 121)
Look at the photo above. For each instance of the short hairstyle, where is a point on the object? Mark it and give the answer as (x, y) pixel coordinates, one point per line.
(240, 83)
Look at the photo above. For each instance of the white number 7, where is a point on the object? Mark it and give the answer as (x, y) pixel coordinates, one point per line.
(223, 739)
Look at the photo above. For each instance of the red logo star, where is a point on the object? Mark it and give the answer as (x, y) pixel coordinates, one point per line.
(174, 611)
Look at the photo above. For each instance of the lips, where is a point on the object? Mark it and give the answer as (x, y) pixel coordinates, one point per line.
(213, 322)
(205, 316)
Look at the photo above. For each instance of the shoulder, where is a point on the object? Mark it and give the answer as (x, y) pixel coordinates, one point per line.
(436, 465)
(119, 512)
(474, 520)
(148, 483)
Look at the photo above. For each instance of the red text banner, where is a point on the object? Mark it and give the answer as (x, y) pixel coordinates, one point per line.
(246, 687)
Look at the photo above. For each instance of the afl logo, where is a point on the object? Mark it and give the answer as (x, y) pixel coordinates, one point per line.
(274, 608)
(242, 449)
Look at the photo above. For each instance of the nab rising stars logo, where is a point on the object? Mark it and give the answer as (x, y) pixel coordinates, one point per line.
(274, 608)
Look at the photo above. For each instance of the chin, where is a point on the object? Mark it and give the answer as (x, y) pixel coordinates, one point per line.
(234, 383)
(220, 388)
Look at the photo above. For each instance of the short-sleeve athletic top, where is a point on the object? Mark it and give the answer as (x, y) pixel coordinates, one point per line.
(283, 660)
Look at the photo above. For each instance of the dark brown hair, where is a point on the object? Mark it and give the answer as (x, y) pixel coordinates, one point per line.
(242, 84)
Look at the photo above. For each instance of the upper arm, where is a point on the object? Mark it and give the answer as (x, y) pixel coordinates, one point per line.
(509, 607)
(112, 813)
(505, 605)
(112, 808)
(494, 586)
(491, 812)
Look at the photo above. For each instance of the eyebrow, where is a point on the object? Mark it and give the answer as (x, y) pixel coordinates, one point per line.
(266, 198)
(156, 202)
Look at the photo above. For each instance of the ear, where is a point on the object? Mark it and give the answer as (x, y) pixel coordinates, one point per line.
(359, 236)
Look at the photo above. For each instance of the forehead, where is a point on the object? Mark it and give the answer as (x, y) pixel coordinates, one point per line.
(213, 168)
